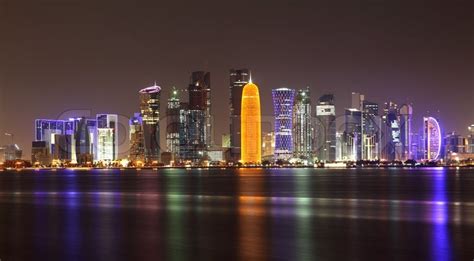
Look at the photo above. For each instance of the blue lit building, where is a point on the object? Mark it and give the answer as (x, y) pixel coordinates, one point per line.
(283, 100)
(76, 140)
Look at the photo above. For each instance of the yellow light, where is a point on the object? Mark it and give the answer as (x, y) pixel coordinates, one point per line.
(251, 132)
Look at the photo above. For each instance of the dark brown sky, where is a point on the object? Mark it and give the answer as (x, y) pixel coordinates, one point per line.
(57, 55)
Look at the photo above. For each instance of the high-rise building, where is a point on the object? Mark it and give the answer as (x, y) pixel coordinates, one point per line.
(302, 127)
(10, 152)
(137, 142)
(283, 100)
(238, 79)
(150, 112)
(63, 148)
(406, 115)
(40, 153)
(84, 140)
(106, 137)
(357, 100)
(432, 139)
(454, 143)
(391, 141)
(268, 145)
(46, 129)
(371, 130)
(192, 144)
(353, 134)
(325, 129)
(341, 154)
(200, 99)
(172, 123)
(470, 139)
(251, 129)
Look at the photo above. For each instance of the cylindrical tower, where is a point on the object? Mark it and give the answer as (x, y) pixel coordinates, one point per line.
(251, 129)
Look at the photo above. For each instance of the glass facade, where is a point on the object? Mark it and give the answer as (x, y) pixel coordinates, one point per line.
(106, 138)
(137, 142)
(283, 100)
(172, 122)
(432, 138)
(325, 129)
(406, 135)
(150, 112)
(302, 127)
(238, 79)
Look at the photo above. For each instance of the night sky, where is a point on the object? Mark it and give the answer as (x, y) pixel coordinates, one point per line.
(59, 55)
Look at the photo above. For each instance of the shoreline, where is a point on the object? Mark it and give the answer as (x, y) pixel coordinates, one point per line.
(241, 167)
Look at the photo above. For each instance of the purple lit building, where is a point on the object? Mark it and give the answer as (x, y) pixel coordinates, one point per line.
(283, 100)
(432, 139)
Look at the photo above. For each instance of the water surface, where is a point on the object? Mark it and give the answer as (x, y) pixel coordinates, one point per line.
(246, 214)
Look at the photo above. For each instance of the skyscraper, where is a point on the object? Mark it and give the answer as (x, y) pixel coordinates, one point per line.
(106, 137)
(353, 134)
(391, 145)
(84, 140)
(137, 142)
(192, 144)
(283, 100)
(172, 122)
(200, 99)
(40, 154)
(470, 139)
(325, 130)
(371, 130)
(251, 129)
(302, 128)
(238, 79)
(454, 143)
(46, 129)
(150, 112)
(406, 115)
(432, 139)
(357, 100)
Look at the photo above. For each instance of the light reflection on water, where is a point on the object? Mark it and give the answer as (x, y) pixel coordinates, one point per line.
(182, 217)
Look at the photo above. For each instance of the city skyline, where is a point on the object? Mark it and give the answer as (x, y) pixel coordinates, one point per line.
(341, 123)
(337, 54)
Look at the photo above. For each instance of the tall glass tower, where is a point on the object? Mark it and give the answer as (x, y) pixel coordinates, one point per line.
(200, 99)
(238, 79)
(251, 132)
(371, 130)
(106, 138)
(302, 128)
(406, 115)
(325, 138)
(150, 111)
(137, 143)
(432, 139)
(172, 122)
(283, 100)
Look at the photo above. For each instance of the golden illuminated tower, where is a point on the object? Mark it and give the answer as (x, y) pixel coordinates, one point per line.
(251, 130)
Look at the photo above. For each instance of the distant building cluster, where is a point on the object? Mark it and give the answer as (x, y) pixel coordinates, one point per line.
(80, 141)
(303, 132)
